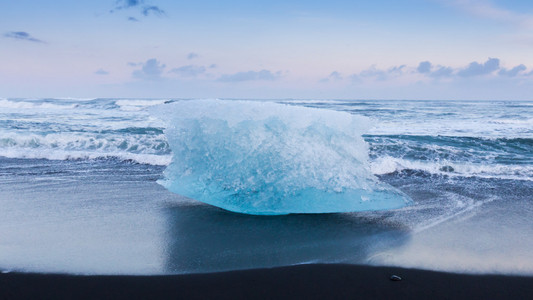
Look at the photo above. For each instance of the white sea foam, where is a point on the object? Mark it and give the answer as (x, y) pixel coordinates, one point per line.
(75, 98)
(136, 105)
(150, 159)
(149, 149)
(527, 122)
(4, 103)
(388, 164)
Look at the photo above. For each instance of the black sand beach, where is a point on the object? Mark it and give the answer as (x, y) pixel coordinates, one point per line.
(74, 201)
(294, 282)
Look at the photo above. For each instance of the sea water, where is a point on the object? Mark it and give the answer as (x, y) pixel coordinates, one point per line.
(80, 186)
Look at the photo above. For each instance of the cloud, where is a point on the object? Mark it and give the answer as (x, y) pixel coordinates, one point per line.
(129, 3)
(152, 9)
(477, 69)
(125, 4)
(333, 76)
(396, 70)
(402, 74)
(150, 70)
(427, 68)
(101, 72)
(424, 67)
(134, 64)
(373, 72)
(513, 72)
(189, 71)
(379, 74)
(473, 69)
(132, 19)
(23, 36)
(145, 8)
(442, 72)
(192, 55)
(250, 75)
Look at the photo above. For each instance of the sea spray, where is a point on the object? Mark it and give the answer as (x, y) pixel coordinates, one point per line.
(266, 158)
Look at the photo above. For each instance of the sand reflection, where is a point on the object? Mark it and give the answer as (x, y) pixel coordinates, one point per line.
(203, 238)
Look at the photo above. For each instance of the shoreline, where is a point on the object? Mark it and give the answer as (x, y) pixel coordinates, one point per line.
(309, 281)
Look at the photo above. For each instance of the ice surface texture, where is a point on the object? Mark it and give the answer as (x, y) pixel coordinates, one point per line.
(266, 158)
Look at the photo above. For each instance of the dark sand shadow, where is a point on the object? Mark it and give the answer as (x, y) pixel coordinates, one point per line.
(202, 238)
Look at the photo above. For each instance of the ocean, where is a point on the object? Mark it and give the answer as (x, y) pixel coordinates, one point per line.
(82, 186)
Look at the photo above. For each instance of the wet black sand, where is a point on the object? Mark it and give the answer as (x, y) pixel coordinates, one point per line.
(295, 282)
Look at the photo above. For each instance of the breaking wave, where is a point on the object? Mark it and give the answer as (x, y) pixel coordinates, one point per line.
(142, 148)
(388, 165)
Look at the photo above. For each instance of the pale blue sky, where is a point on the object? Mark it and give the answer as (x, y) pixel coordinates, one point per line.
(384, 49)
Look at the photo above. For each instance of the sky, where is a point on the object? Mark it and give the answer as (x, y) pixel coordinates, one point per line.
(336, 49)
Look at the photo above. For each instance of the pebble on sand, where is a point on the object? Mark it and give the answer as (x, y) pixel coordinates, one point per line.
(395, 278)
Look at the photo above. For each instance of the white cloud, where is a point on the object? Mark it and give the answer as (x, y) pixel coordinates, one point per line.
(424, 67)
(150, 70)
(101, 72)
(379, 74)
(250, 75)
(477, 69)
(512, 72)
(334, 76)
(427, 71)
(192, 55)
(189, 70)
(23, 36)
(442, 71)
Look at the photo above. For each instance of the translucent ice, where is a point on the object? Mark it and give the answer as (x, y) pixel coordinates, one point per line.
(267, 158)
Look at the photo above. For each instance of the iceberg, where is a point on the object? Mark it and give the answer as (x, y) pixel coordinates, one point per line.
(265, 158)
